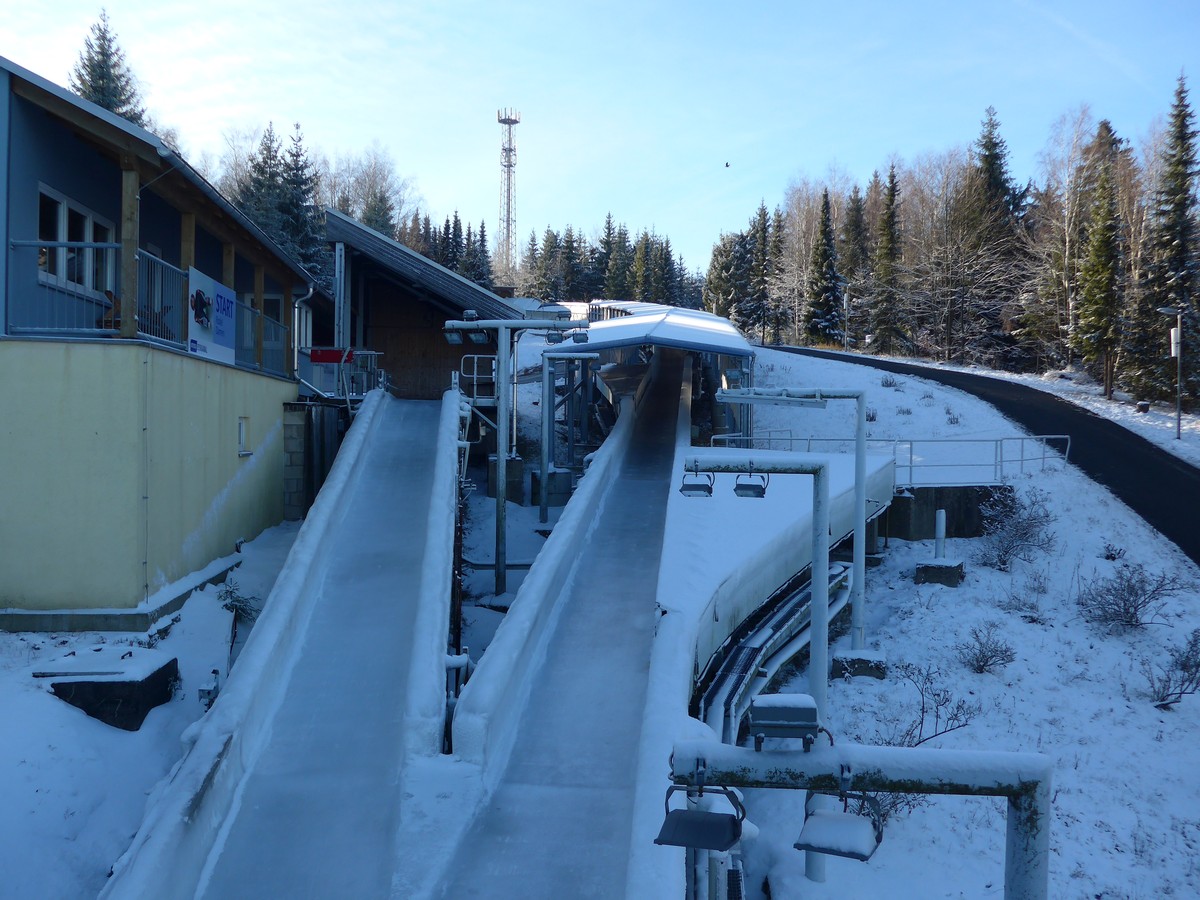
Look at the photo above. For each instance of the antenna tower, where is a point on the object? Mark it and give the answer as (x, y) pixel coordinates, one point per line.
(508, 119)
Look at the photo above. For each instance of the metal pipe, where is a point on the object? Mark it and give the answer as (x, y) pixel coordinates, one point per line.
(547, 436)
(939, 534)
(504, 337)
(858, 586)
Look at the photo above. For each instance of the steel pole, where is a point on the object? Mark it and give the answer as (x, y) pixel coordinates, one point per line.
(1179, 377)
(503, 396)
(547, 435)
(858, 588)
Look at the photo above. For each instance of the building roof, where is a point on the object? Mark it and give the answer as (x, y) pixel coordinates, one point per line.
(415, 271)
(120, 136)
(668, 326)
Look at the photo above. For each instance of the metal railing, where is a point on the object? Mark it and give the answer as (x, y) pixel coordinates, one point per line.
(70, 288)
(944, 462)
(341, 373)
(162, 293)
(477, 377)
(63, 288)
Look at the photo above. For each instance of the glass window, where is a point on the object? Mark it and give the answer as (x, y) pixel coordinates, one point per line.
(77, 233)
(80, 263)
(102, 259)
(49, 214)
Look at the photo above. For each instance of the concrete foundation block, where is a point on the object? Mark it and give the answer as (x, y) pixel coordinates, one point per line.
(558, 488)
(947, 572)
(515, 476)
(851, 663)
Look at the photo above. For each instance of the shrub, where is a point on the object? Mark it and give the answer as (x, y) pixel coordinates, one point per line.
(1168, 684)
(232, 599)
(986, 651)
(939, 712)
(871, 413)
(1015, 526)
(1131, 598)
(888, 380)
(904, 410)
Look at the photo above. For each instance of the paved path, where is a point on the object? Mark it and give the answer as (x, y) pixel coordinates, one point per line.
(317, 813)
(1161, 488)
(560, 822)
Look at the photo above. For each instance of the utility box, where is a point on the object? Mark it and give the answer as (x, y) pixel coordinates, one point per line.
(784, 716)
(514, 473)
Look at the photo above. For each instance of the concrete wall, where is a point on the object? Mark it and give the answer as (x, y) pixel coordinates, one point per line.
(126, 473)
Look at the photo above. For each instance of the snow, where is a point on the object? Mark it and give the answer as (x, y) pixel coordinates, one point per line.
(1126, 797)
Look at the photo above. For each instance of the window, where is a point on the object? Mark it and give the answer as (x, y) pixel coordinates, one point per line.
(78, 263)
(243, 428)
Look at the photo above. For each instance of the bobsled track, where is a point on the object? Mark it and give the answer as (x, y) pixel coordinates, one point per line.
(319, 773)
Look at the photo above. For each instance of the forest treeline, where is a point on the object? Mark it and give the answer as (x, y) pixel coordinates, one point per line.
(945, 257)
(950, 258)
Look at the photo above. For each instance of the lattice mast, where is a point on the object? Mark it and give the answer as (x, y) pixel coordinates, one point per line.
(508, 119)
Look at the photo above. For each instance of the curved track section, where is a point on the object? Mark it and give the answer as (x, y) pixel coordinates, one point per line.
(1160, 487)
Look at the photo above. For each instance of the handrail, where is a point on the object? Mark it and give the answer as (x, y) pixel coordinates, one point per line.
(938, 461)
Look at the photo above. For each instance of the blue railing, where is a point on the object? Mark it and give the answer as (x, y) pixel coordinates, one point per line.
(71, 289)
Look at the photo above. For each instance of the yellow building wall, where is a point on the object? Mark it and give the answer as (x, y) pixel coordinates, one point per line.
(121, 469)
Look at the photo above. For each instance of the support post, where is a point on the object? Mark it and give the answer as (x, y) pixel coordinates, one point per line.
(130, 231)
(570, 413)
(858, 587)
(503, 400)
(547, 436)
(1027, 844)
(341, 328)
(187, 260)
(260, 287)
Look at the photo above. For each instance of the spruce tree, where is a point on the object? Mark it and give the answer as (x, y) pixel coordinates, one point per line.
(262, 193)
(1173, 272)
(1098, 332)
(102, 76)
(823, 314)
(484, 276)
(884, 315)
(301, 227)
(378, 213)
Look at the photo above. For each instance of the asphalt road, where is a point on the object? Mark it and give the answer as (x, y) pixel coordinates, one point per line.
(1161, 488)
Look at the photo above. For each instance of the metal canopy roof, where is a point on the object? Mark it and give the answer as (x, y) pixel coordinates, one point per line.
(669, 326)
(414, 270)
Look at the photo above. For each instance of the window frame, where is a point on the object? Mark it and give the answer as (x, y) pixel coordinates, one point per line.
(91, 274)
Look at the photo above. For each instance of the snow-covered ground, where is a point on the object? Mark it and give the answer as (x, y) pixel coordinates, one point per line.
(1126, 797)
(74, 790)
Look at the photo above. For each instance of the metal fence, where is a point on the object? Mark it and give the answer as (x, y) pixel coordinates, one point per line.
(64, 288)
(945, 462)
(71, 289)
(162, 295)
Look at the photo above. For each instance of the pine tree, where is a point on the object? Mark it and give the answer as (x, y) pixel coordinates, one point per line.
(378, 213)
(1171, 271)
(777, 300)
(300, 220)
(618, 284)
(823, 310)
(884, 316)
(102, 76)
(756, 307)
(1098, 332)
(262, 193)
(484, 275)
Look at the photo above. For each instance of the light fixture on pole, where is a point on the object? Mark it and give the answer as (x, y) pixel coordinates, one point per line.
(1177, 352)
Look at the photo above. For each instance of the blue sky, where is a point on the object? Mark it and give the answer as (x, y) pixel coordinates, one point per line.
(634, 108)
